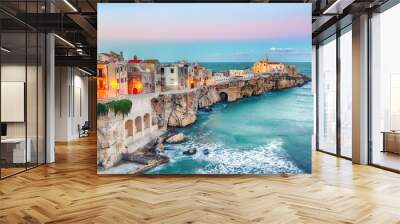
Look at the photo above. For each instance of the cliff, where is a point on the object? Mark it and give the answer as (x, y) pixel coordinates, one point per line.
(180, 109)
(118, 134)
(110, 139)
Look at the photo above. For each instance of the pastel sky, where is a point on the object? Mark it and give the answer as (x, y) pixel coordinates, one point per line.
(206, 32)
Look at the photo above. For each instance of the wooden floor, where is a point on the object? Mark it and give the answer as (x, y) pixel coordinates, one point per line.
(386, 159)
(70, 191)
(5, 172)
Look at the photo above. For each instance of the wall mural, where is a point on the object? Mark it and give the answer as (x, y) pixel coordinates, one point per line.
(204, 88)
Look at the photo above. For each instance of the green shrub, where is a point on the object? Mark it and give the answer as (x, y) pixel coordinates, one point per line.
(102, 109)
(123, 106)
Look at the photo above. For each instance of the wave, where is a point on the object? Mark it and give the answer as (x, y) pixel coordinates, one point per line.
(251, 136)
(270, 158)
(267, 159)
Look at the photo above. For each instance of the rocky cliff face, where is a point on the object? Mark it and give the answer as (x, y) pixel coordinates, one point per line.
(175, 110)
(180, 109)
(253, 87)
(207, 96)
(110, 139)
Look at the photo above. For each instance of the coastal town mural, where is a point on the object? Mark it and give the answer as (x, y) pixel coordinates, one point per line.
(178, 96)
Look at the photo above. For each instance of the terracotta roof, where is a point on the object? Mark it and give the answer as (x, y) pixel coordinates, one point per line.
(134, 61)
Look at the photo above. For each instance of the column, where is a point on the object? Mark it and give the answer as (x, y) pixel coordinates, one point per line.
(50, 98)
(360, 90)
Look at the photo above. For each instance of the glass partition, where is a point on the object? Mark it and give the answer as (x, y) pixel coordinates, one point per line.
(385, 89)
(13, 94)
(327, 96)
(31, 98)
(346, 93)
(22, 66)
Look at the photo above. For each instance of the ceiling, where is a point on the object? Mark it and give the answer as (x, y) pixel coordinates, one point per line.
(75, 21)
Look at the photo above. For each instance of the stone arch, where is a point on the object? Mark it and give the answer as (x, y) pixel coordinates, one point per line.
(146, 120)
(138, 124)
(129, 128)
(223, 96)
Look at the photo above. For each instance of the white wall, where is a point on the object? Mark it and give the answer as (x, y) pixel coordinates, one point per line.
(171, 78)
(80, 110)
(61, 103)
(33, 126)
(71, 103)
(12, 73)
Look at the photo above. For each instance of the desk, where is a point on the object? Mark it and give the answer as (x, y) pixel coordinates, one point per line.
(391, 141)
(13, 150)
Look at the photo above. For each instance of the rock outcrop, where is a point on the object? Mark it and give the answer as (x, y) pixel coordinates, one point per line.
(160, 147)
(178, 138)
(246, 91)
(176, 110)
(158, 112)
(110, 139)
(190, 152)
(207, 97)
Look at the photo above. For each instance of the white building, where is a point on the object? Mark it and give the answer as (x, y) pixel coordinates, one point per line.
(221, 79)
(175, 76)
(248, 75)
(122, 77)
(237, 72)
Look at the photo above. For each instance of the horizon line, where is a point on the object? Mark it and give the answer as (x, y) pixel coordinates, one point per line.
(227, 61)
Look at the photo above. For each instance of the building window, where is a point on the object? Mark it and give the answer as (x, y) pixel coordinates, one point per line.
(101, 84)
(172, 70)
(100, 70)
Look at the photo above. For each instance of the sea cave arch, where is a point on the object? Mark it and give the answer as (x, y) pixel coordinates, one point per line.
(223, 97)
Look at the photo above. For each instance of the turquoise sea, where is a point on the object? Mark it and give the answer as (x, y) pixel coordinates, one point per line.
(265, 134)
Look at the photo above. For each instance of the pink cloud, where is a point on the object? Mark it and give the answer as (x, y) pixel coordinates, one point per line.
(203, 30)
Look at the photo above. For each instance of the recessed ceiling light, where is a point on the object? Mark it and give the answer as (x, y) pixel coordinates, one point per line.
(64, 40)
(86, 72)
(5, 50)
(70, 5)
(338, 6)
